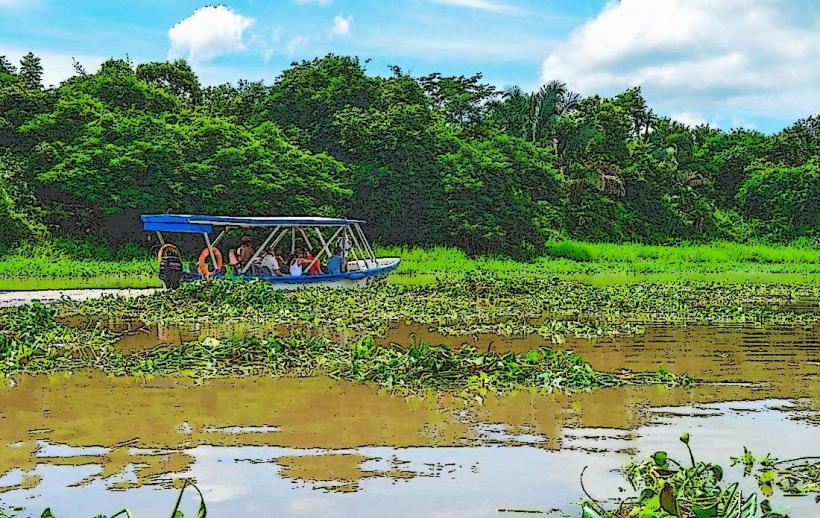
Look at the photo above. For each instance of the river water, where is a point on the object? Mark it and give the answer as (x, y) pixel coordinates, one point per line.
(86, 444)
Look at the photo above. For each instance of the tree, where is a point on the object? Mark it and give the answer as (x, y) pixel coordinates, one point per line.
(431, 160)
(798, 143)
(6, 67)
(31, 70)
(106, 150)
(462, 100)
(783, 200)
(305, 98)
(176, 78)
(542, 117)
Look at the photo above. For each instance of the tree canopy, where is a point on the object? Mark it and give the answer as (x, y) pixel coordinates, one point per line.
(426, 160)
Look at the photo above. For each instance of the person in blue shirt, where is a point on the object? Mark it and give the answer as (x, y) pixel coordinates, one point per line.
(334, 264)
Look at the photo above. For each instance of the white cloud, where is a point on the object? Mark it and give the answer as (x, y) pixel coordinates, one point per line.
(689, 118)
(483, 5)
(294, 44)
(341, 25)
(756, 57)
(210, 32)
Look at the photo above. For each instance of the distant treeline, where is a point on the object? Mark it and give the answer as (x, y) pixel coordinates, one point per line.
(426, 160)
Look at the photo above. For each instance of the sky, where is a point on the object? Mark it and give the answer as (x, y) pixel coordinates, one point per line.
(727, 63)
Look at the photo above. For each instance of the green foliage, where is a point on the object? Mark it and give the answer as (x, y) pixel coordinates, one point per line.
(690, 489)
(176, 512)
(32, 341)
(793, 477)
(480, 302)
(31, 70)
(783, 199)
(433, 160)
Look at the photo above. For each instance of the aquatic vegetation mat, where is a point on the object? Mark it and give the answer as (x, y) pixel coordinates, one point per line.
(475, 303)
(31, 341)
(416, 367)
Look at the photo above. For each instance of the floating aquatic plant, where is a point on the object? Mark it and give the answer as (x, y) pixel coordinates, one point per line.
(695, 489)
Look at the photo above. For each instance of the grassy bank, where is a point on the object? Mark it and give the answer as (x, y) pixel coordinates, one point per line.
(594, 263)
(606, 263)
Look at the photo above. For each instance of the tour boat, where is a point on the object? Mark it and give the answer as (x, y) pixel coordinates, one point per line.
(360, 266)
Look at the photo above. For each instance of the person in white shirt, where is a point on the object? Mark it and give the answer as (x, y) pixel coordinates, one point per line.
(296, 269)
(270, 263)
(344, 246)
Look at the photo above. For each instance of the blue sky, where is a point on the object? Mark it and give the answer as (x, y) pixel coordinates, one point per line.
(753, 63)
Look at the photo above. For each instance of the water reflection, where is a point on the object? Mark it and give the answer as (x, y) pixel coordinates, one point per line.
(87, 443)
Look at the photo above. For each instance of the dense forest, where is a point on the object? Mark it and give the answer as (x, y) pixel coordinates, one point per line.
(425, 160)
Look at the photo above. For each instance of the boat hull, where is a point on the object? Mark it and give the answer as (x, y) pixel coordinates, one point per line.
(358, 275)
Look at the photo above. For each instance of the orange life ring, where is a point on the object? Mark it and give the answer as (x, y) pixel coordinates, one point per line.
(204, 255)
(164, 249)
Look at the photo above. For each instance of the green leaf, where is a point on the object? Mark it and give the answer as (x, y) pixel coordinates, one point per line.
(47, 513)
(705, 512)
(749, 508)
(660, 458)
(717, 471)
(646, 494)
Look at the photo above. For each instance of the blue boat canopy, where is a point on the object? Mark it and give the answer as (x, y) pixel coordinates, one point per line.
(201, 223)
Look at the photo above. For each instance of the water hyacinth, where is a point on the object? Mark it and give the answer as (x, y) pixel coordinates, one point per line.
(695, 489)
(418, 366)
(475, 303)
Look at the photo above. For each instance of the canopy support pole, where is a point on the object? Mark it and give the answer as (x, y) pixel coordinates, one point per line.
(259, 250)
(322, 240)
(159, 236)
(210, 249)
(355, 245)
(292, 240)
(307, 241)
(279, 238)
(219, 237)
(324, 244)
(366, 244)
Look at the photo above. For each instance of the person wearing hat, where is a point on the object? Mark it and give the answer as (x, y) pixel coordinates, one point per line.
(244, 252)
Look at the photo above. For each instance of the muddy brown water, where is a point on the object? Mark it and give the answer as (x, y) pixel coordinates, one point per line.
(86, 444)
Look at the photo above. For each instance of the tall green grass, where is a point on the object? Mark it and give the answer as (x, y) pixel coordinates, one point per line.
(84, 265)
(67, 264)
(606, 262)
(718, 252)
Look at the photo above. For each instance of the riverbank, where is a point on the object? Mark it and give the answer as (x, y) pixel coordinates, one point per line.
(592, 263)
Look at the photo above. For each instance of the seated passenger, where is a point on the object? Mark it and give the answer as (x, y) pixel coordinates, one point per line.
(334, 264)
(311, 264)
(277, 252)
(296, 262)
(244, 252)
(270, 264)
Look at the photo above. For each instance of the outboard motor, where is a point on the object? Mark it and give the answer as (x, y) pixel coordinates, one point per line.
(170, 269)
